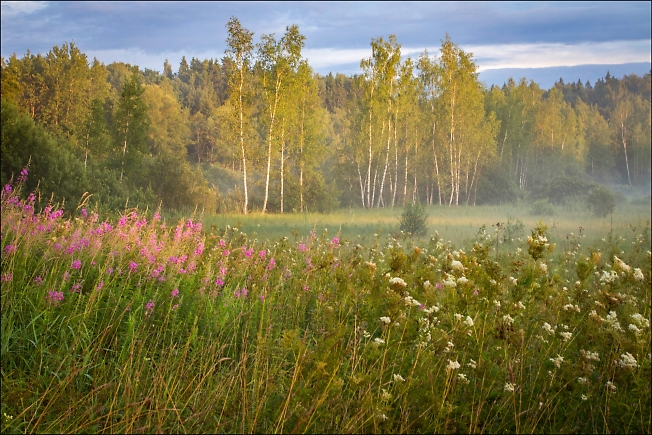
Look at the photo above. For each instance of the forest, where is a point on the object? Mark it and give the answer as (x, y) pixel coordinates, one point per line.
(260, 131)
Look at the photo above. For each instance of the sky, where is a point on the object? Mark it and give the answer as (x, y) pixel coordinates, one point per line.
(539, 40)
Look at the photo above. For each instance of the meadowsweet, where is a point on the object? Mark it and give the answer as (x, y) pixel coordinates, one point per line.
(566, 335)
(509, 387)
(496, 303)
(452, 365)
(640, 320)
(557, 361)
(583, 380)
(458, 317)
(543, 267)
(386, 320)
(612, 320)
(462, 280)
(571, 307)
(385, 396)
(549, 329)
(589, 356)
(462, 378)
(627, 361)
(457, 265)
(608, 277)
(427, 285)
(512, 280)
(507, 319)
(638, 275)
(472, 364)
(610, 386)
(398, 281)
(468, 321)
(449, 282)
(378, 341)
(619, 264)
(449, 347)
(398, 378)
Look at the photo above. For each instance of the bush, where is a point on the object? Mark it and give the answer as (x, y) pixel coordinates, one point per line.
(413, 219)
(601, 201)
(542, 207)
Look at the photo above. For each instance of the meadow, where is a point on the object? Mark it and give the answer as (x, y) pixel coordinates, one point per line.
(497, 321)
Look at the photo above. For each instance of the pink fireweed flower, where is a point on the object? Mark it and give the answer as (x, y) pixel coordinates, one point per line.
(7, 188)
(23, 176)
(123, 221)
(174, 307)
(226, 252)
(335, 242)
(223, 271)
(10, 249)
(271, 264)
(100, 285)
(133, 266)
(84, 213)
(439, 285)
(66, 276)
(149, 307)
(222, 243)
(302, 247)
(109, 271)
(76, 288)
(262, 254)
(55, 297)
(175, 293)
(157, 216)
(200, 248)
(6, 277)
(219, 282)
(38, 280)
(76, 264)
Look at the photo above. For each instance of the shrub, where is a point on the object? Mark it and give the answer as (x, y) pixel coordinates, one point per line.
(413, 219)
(601, 201)
(542, 207)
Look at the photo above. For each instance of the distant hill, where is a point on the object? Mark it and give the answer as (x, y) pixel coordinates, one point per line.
(546, 77)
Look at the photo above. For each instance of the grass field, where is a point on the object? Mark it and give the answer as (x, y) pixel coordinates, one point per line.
(256, 324)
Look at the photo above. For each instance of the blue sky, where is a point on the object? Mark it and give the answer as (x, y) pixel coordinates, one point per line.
(507, 39)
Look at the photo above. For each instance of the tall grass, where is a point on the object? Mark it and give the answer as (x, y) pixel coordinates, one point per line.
(141, 326)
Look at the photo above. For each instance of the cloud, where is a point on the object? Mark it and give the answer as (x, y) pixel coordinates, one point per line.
(12, 9)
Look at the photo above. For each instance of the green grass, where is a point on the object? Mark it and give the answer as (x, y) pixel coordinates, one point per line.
(176, 329)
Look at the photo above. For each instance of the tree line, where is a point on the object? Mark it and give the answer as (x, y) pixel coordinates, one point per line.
(260, 130)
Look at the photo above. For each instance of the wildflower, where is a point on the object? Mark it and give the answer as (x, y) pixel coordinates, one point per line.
(398, 378)
(398, 281)
(543, 267)
(462, 280)
(378, 341)
(10, 249)
(608, 277)
(472, 364)
(638, 275)
(549, 329)
(175, 293)
(584, 397)
(271, 264)
(589, 356)
(571, 307)
(520, 305)
(582, 380)
(335, 242)
(458, 317)
(640, 320)
(226, 252)
(385, 396)
(612, 320)
(512, 280)
(6, 277)
(557, 361)
(55, 297)
(449, 347)
(76, 288)
(619, 264)
(634, 328)
(452, 365)
(462, 378)
(149, 307)
(468, 321)
(610, 386)
(386, 320)
(456, 265)
(449, 282)
(566, 335)
(497, 303)
(38, 280)
(100, 285)
(427, 285)
(509, 387)
(627, 361)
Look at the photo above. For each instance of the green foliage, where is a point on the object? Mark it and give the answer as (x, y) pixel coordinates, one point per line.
(413, 220)
(542, 207)
(601, 201)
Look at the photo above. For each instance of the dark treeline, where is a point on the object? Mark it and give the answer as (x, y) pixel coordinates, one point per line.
(259, 130)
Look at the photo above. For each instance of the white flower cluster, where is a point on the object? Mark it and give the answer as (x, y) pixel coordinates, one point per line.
(430, 310)
(612, 320)
(370, 264)
(462, 280)
(640, 320)
(449, 347)
(595, 316)
(557, 361)
(427, 285)
(398, 281)
(472, 364)
(398, 378)
(462, 378)
(411, 302)
(507, 319)
(566, 335)
(608, 277)
(638, 275)
(509, 387)
(378, 341)
(549, 329)
(452, 365)
(512, 280)
(571, 307)
(583, 380)
(620, 264)
(457, 265)
(468, 321)
(627, 361)
(543, 267)
(449, 282)
(386, 320)
(458, 317)
(610, 386)
(589, 356)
